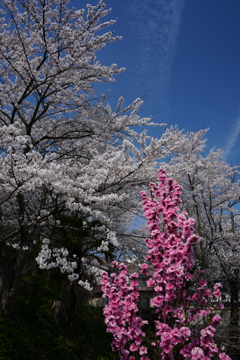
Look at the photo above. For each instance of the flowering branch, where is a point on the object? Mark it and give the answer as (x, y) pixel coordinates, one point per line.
(121, 312)
(174, 282)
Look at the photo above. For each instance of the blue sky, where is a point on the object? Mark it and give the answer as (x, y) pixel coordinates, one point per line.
(183, 58)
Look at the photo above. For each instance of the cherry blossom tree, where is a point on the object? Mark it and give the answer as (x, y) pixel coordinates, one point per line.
(176, 286)
(63, 150)
(211, 195)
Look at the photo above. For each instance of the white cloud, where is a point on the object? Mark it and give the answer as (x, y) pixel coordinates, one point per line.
(157, 24)
(232, 138)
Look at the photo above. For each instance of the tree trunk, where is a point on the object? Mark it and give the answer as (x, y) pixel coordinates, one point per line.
(10, 274)
(10, 279)
(5, 278)
(72, 308)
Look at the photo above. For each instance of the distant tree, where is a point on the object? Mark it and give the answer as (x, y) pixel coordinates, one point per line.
(62, 148)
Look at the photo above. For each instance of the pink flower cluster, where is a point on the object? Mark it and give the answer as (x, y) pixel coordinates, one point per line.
(176, 286)
(121, 312)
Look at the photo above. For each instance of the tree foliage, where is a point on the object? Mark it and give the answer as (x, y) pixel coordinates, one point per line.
(63, 149)
(211, 195)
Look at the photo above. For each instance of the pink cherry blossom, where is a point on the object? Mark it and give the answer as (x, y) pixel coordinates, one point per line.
(143, 350)
(224, 356)
(170, 249)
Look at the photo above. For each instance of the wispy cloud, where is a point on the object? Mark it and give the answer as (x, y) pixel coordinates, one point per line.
(157, 24)
(232, 138)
